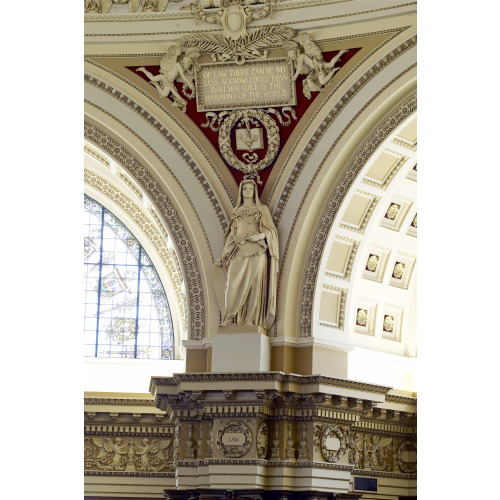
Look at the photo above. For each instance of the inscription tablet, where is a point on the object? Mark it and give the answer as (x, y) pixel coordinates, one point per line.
(256, 84)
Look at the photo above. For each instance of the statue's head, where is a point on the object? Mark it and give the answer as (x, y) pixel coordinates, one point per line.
(248, 189)
(304, 37)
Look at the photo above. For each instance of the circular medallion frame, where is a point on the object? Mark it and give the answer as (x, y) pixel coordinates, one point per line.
(407, 467)
(273, 140)
(332, 431)
(235, 451)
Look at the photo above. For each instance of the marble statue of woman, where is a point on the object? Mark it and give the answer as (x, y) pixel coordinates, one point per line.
(249, 262)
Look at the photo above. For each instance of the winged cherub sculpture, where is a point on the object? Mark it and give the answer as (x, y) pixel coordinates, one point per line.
(172, 70)
(153, 447)
(103, 6)
(309, 61)
(107, 446)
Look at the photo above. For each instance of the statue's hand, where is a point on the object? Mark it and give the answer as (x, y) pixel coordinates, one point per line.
(256, 237)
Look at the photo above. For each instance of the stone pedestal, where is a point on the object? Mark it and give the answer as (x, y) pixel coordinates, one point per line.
(240, 349)
(266, 434)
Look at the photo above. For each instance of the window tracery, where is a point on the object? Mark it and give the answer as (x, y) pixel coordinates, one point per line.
(127, 314)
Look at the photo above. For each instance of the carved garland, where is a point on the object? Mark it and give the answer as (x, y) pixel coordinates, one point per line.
(185, 249)
(235, 451)
(330, 212)
(332, 431)
(273, 140)
(407, 467)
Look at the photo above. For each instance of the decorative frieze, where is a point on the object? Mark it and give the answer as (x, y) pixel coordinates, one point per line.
(127, 454)
(285, 426)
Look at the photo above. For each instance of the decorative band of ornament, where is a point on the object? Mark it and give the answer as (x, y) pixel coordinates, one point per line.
(266, 463)
(119, 402)
(393, 475)
(126, 474)
(401, 399)
(328, 217)
(269, 376)
(161, 129)
(182, 241)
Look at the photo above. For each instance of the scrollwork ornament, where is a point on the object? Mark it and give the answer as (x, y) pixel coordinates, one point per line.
(262, 440)
(316, 437)
(273, 140)
(407, 467)
(237, 430)
(332, 431)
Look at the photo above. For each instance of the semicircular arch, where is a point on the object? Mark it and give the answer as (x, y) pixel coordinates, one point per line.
(176, 212)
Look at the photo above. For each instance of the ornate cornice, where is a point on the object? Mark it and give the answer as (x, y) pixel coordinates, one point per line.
(401, 399)
(119, 402)
(156, 124)
(186, 14)
(334, 203)
(181, 238)
(374, 473)
(126, 474)
(265, 463)
(269, 376)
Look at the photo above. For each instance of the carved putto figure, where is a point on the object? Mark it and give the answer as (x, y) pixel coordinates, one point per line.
(103, 6)
(310, 62)
(247, 289)
(154, 5)
(154, 447)
(107, 446)
(171, 70)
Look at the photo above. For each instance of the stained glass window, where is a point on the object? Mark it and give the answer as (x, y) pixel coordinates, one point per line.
(126, 310)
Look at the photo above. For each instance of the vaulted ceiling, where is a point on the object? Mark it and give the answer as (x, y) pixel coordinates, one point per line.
(341, 189)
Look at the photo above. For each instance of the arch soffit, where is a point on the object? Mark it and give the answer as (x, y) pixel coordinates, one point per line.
(293, 210)
(167, 156)
(147, 105)
(114, 194)
(330, 209)
(190, 254)
(397, 42)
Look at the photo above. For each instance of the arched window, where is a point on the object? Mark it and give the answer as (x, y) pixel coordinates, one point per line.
(126, 310)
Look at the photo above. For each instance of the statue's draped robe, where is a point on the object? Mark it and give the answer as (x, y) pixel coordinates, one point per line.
(251, 268)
